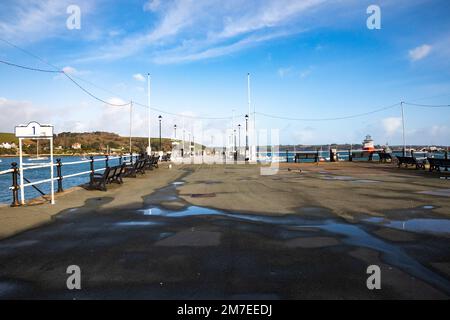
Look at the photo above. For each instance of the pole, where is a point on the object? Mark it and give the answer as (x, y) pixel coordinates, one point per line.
(149, 149)
(239, 149)
(184, 138)
(131, 121)
(249, 104)
(15, 185)
(22, 191)
(403, 124)
(235, 148)
(52, 186)
(160, 142)
(246, 138)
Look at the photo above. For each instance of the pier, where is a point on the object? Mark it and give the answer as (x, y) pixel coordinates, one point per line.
(211, 231)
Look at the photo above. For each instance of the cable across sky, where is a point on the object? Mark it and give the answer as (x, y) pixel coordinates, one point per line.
(281, 117)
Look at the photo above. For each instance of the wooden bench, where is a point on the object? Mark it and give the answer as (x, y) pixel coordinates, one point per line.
(111, 174)
(98, 180)
(406, 161)
(437, 164)
(153, 162)
(117, 173)
(306, 155)
(385, 157)
(133, 169)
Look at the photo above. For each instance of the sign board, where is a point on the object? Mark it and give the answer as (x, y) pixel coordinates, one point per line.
(34, 130)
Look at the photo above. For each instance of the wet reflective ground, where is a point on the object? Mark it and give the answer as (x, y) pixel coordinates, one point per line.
(169, 249)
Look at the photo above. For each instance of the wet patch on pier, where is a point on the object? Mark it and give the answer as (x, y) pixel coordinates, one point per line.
(420, 225)
(437, 192)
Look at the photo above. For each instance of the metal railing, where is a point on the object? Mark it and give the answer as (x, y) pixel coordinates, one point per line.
(15, 172)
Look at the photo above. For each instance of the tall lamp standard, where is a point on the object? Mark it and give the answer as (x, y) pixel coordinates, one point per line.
(239, 149)
(235, 148)
(246, 137)
(160, 140)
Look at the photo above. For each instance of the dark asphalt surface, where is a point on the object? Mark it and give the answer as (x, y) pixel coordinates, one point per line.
(196, 253)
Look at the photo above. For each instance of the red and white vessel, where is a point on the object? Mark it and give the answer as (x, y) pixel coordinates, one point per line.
(368, 144)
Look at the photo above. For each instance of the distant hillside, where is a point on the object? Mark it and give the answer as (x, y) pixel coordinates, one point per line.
(99, 141)
(8, 137)
(89, 141)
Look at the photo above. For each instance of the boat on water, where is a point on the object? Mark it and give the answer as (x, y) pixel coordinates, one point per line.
(37, 158)
(34, 163)
(368, 144)
(32, 160)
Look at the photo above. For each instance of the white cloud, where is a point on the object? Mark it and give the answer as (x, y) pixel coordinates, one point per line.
(152, 5)
(191, 30)
(306, 135)
(69, 70)
(282, 72)
(22, 112)
(35, 20)
(201, 51)
(419, 52)
(305, 73)
(139, 77)
(391, 125)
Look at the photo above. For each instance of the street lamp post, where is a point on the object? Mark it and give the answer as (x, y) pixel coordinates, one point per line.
(235, 148)
(160, 140)
(239, 148)
(246, 137)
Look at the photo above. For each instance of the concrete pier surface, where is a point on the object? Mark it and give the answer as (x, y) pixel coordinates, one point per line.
(228, 232)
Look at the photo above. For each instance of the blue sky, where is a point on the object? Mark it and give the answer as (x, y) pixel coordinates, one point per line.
(307, 59)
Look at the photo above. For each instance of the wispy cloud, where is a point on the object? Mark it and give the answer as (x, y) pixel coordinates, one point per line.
(419, 52)
(189, 30)
(282, 72)
(391, 125)
(152, 5)
(35, 20)
(139, 77)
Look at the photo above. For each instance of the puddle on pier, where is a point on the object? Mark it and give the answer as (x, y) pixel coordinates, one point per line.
(419, 225)
(320, 219)
(348, 178)
(350, 234)
(136, 223)
(437, 192)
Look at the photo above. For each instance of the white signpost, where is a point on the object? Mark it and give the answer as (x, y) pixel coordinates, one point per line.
(34, 130)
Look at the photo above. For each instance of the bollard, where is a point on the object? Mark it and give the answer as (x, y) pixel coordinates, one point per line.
(15, 185)
(350, 155)
(106, 161)
(412, 153)
(287, 156)
(58, 173)
(92, 168)
(317, 156)
(120, 160)
(131, 158)
(370, 156)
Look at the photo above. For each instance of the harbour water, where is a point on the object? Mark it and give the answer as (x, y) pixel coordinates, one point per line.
(44, 173)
